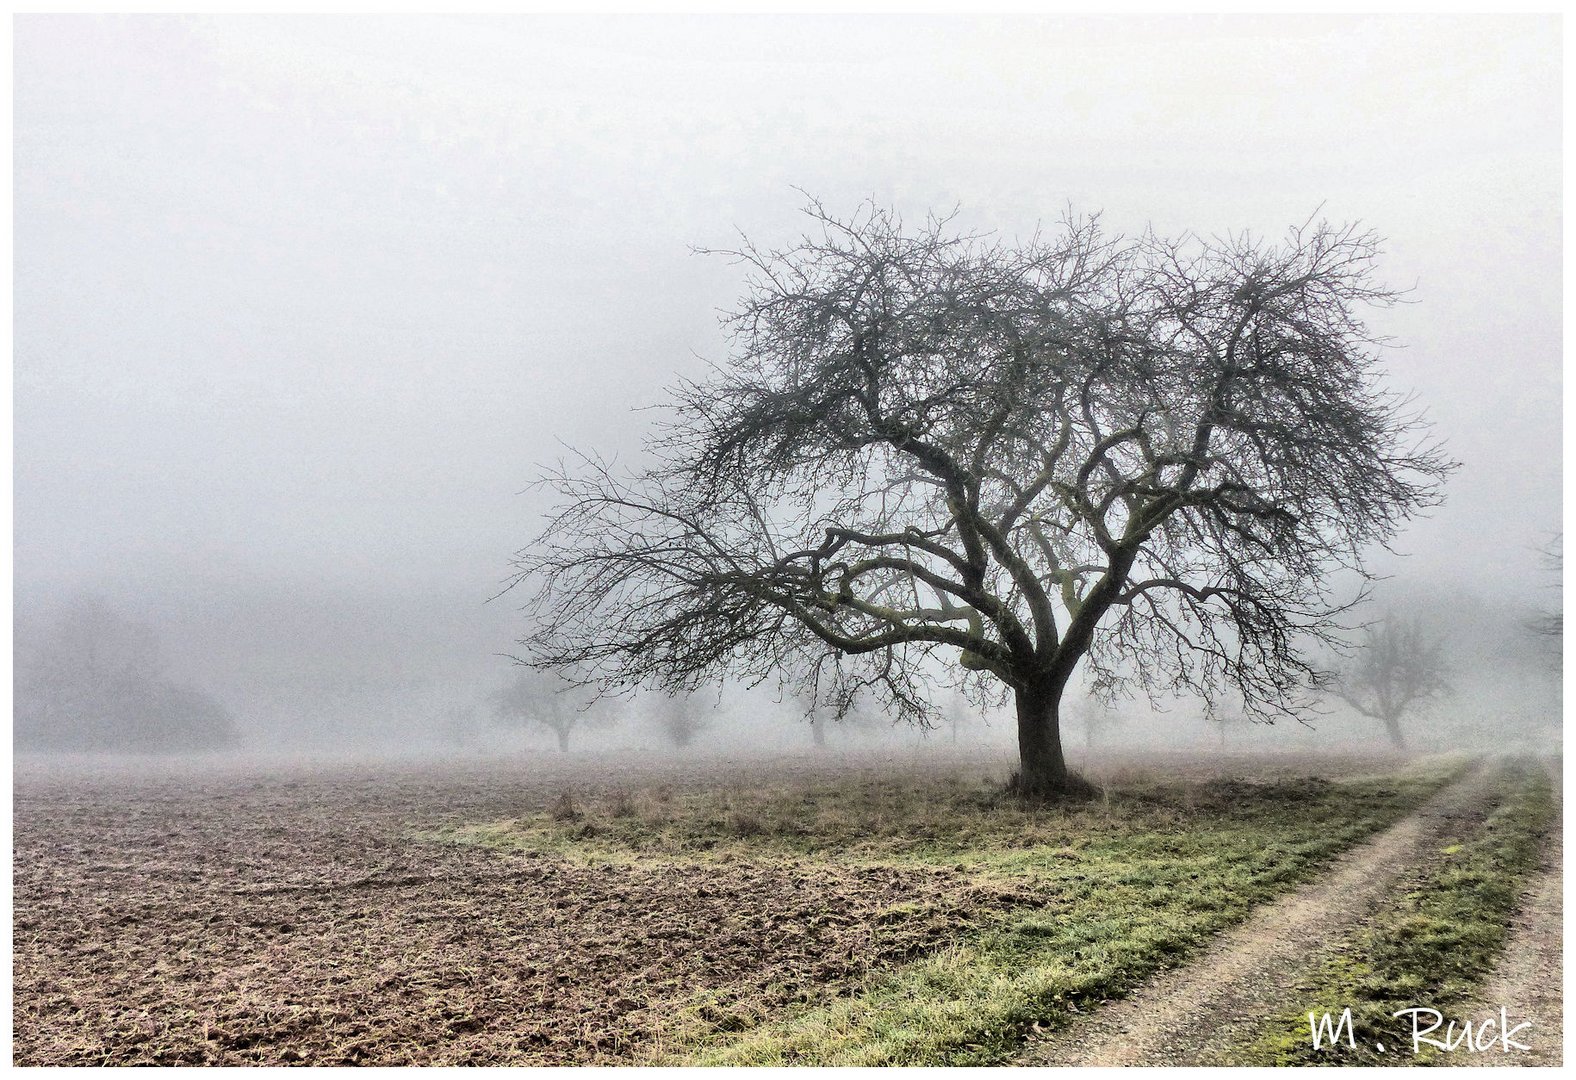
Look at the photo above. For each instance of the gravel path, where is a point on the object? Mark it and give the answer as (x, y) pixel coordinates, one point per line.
(1189, 1015)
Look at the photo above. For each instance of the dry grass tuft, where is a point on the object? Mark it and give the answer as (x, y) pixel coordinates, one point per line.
(562, 808)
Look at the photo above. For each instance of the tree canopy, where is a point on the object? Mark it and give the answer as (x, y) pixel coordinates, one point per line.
(1146, 455)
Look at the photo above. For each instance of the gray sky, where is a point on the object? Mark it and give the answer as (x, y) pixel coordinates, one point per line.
(299, 303)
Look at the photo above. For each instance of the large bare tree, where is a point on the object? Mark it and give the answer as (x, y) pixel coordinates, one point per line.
(1147, 455)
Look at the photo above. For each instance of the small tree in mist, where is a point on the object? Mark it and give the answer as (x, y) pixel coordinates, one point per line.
(1551, 624)
(546, 699)
(818, 730)
(821, 714)
(1023, 457)
(1227, 719)
(958, 713)
(683, 717)
(458, 725)
(91, 679)
(1098, 718)
(1398, 672)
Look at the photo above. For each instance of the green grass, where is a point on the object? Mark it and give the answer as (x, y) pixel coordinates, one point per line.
(923, 820)
(1119, 889)
(1431, 946)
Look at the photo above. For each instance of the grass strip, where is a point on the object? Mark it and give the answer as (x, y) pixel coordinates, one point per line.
(1128, 905)
(1116, 892)
(927, 820)
(1432, 946)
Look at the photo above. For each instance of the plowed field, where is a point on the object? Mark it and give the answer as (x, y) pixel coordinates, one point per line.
(236, 920)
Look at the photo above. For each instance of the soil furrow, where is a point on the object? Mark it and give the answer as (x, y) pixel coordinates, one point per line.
(1190, 1015)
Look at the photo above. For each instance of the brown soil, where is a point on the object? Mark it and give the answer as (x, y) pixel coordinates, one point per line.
(1192, 1015)
(239, 921)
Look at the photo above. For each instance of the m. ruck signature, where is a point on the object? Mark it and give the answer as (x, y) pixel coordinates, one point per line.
(1475, 1038)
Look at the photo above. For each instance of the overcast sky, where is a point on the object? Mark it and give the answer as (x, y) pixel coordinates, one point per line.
(300, 303)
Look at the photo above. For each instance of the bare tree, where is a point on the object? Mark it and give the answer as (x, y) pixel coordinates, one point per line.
(1226, 717)
(1097, 716)
(536, 697)
(683, 717)
(1398, 671)
(1551, 624)
(957, 713)
(819, 714)
(1022, 456)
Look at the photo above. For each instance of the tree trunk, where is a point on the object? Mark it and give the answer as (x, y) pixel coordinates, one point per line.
(817, 731)
(1392, 728)
(563, 740)
(1042, 770)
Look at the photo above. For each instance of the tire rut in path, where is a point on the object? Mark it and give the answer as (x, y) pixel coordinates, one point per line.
(1527, 979)
(1185, 1016)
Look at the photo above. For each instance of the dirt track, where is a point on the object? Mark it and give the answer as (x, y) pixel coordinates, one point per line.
(1188, 1015)
(1528, 980)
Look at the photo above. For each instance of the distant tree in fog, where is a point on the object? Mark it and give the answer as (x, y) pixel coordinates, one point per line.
(930, 450)
(1398, 671)
(1226, 719)
(820, 715)
(813, 713)
(957, 712)
(90, 679)
(1551, 624)
(550, 701)
(683, 717)
(1098, 718)
(457, 725)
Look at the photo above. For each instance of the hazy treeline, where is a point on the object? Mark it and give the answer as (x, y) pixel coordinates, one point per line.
(96, 675)
(88, 678)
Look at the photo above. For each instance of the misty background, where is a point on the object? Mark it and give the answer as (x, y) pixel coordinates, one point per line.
(300, 304)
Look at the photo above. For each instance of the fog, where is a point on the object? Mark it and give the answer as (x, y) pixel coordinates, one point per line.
(301, 305)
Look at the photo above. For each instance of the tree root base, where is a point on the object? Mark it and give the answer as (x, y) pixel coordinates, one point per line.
(1072, 789)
